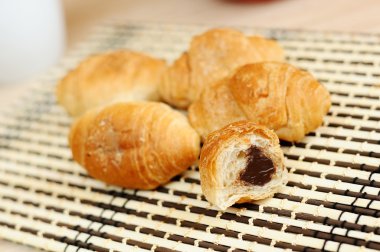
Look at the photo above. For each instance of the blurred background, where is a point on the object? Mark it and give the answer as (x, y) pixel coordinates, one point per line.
(35, 34)
(340, 15)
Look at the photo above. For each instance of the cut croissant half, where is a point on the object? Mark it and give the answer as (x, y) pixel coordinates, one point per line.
(241, 162)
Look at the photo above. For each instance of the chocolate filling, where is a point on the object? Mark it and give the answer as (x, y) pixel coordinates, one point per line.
(259, 168)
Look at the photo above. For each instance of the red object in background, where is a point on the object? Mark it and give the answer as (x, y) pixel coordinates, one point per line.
(249, 1)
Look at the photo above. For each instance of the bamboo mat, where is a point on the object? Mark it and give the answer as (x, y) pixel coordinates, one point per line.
(332, 200)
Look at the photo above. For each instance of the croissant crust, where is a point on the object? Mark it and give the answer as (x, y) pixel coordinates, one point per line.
(111, 77)
(290, 101)
(135, 145)
(212, 56)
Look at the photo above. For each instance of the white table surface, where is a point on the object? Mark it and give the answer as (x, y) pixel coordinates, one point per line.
(336, 15)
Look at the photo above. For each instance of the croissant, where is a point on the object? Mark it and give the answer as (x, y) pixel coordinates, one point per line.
(135, 145)
(240, 163)
(283, 98)
(110, 77)
(213, 55)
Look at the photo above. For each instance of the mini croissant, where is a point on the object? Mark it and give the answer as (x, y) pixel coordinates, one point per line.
(240, 163)
(277, 95)
(212, 56)
(106, 78)
(135, 145)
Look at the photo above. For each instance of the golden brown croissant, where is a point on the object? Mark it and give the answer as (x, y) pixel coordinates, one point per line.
(110, 77)
(277, 95)
(212, 56)
(240, 163)
(135, 145)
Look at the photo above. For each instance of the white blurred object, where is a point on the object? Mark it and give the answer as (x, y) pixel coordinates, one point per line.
(32, 38)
